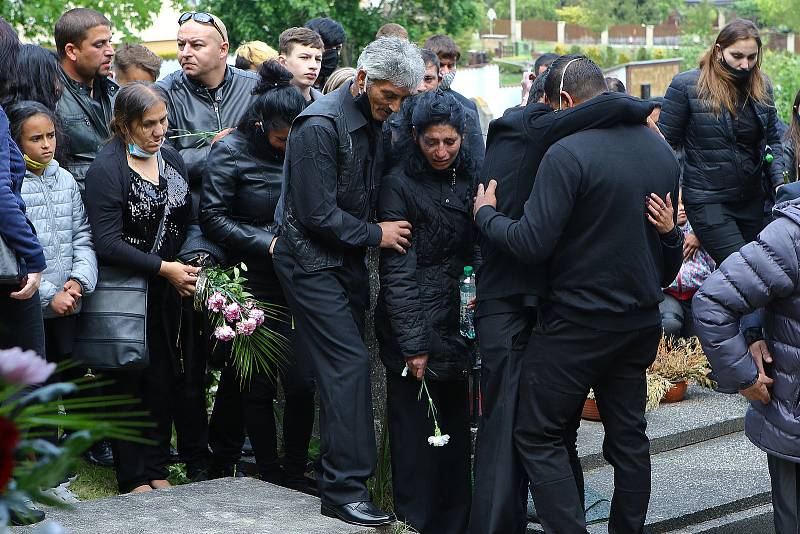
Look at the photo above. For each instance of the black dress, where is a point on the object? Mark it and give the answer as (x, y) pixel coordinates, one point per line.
(125, 211)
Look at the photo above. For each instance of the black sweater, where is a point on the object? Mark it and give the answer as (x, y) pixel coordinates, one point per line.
(586, 219)
(108, 188)
(516, 144)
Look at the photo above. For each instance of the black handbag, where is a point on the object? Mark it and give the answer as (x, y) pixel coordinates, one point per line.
(9, 265)
(112, 326)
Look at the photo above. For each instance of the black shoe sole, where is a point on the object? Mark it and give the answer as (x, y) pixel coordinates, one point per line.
(332, 513)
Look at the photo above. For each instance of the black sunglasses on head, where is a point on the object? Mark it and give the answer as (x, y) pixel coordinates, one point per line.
(202, 18)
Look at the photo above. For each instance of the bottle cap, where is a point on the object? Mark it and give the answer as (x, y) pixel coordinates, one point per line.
(467, 270)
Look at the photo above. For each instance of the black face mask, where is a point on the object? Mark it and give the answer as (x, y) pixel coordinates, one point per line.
(330, 60)
(739, 75)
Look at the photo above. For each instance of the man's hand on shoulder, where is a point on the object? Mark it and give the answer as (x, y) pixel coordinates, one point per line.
(395, 235)
(485, 197)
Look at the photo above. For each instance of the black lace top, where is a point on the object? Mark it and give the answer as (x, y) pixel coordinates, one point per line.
(145, 208)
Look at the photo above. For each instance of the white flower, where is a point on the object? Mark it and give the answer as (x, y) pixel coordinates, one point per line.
(405, 371)
(439, 441)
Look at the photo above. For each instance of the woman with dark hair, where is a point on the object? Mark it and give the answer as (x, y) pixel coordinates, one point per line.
(139, 208)
(20, 311)
(417, 317)
(723, 116)
(37, 76)
(241, 189)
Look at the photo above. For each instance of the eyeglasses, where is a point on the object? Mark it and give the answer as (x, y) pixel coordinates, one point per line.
(202, 18)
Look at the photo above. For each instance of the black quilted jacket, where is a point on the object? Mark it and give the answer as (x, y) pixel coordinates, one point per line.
(711, 170)
(418, 303)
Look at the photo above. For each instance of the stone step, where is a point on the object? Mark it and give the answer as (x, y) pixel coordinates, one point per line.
(704, 415)
(707, 483)
(751, 521)
(226, 505)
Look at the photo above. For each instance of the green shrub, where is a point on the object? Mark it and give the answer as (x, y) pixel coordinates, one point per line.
(642, 54)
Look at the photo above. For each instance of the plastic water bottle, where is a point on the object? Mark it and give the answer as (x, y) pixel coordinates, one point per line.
(467, 325)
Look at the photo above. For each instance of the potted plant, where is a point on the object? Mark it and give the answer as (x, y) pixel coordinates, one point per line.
(678, 362)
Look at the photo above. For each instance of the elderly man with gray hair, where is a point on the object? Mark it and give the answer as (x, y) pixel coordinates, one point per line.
(331, 179)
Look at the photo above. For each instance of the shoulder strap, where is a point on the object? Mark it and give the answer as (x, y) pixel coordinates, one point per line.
(163, 221)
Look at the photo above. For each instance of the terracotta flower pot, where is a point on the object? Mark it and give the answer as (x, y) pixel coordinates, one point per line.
(676, 393)
(590, 411)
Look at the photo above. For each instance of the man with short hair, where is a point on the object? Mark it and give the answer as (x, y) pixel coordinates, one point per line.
(587, 219)
(207, 97)
(83, 44)
(300, 51)
(333, 37)
(136, 62)
(332, 170)
(206, 100)
(449, 53)
(392, 29)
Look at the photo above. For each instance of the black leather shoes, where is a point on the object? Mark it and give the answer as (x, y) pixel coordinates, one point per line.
(363, 514)
(28, 516)
(100, 454)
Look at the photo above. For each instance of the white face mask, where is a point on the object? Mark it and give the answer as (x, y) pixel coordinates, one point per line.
(447, 80)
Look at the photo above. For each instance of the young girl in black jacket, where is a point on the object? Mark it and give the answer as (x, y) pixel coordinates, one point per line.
(241, 189)
(417, 317)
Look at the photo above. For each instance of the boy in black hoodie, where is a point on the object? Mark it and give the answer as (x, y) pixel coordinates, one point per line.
(587, 221)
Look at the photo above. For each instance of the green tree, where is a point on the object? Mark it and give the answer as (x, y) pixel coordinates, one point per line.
(783, 14)
(528, 9)
(697, 22)
(38, 18)
(266, 19)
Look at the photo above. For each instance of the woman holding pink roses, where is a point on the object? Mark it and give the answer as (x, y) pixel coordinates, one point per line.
(241, 189)
(139, 208)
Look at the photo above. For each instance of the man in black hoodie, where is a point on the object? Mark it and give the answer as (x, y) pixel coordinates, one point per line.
(586, 222)
(509, 292)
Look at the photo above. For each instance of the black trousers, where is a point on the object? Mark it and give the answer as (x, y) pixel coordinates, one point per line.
(251, 406)
(499, 502)
(785, 478)
(136, 463)
(329, 309)
(725, 228)
(431, 485)
(21, 323)
(562, 361)
(189, 390)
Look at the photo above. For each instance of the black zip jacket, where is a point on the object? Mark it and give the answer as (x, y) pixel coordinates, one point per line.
(585, 220)
(712, 170)
(85, 119)
(191, 109)
(419, 300)
(240, 192)
(516, 144)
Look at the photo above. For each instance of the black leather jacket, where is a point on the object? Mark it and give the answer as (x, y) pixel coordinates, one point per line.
(332, 174)
(85, 121)
(240, 193)
(419, 300)
(711, 171)
(192, 110)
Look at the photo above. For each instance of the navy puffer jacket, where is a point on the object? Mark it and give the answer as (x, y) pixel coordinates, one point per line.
(764, 273)
(711, 170)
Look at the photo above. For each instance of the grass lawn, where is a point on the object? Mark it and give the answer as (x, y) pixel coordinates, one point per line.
(95, 482)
